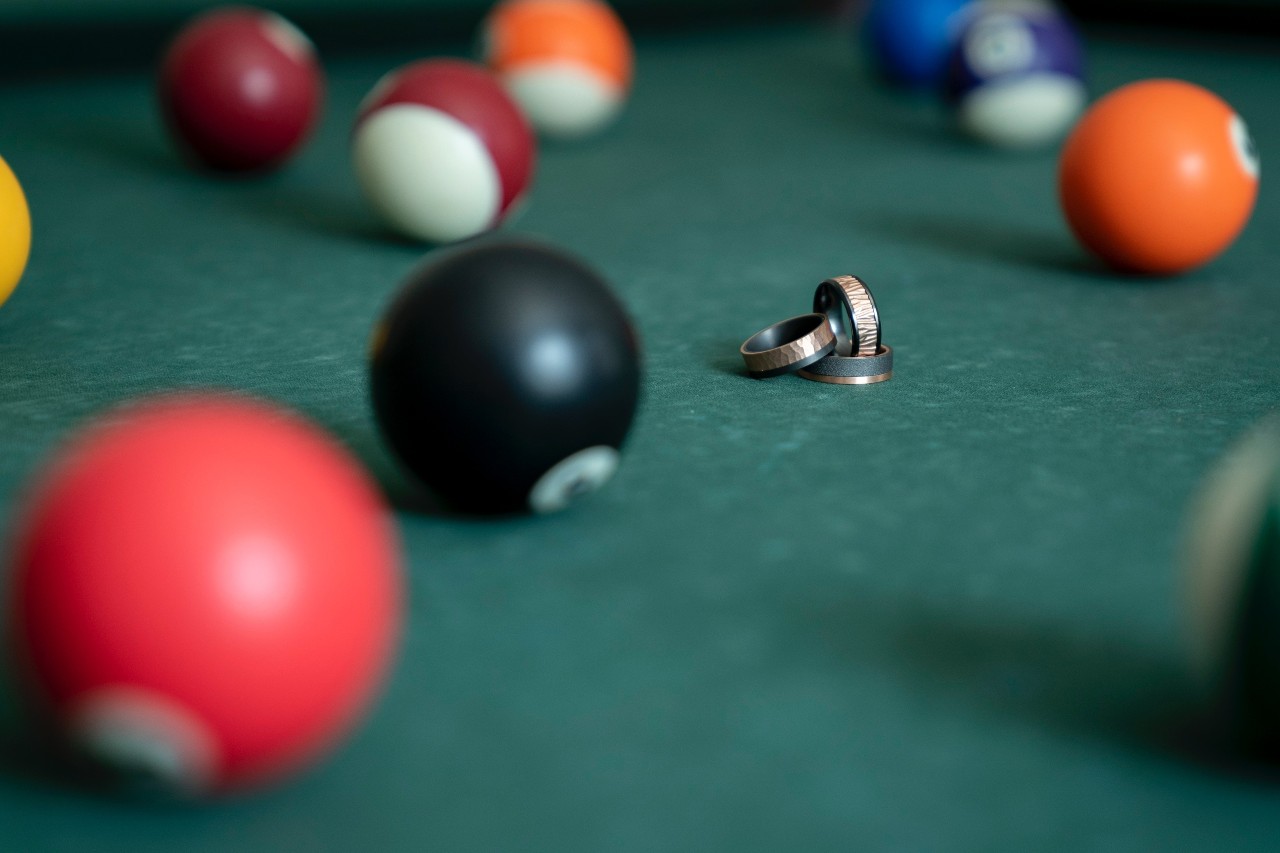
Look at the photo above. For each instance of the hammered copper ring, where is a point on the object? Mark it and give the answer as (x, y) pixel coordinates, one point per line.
(789, 345)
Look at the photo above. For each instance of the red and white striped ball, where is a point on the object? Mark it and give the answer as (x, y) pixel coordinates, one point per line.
(568, 62)
(441, 151)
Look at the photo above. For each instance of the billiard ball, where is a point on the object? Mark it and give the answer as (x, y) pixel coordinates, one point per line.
(441, 151)
(1158, 177)
(1016, 75)
(1232, 591)
(15, 231)
(567, 62)
(505, 376)
(205, 593)
(240, 89)
(909, 40)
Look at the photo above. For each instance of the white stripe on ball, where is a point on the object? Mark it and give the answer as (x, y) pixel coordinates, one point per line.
(564, 99)
(426, 173)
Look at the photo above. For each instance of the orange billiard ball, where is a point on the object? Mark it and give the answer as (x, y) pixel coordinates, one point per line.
(1158, 177)
(568, 62)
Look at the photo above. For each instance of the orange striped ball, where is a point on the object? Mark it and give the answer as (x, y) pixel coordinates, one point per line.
(567, 62)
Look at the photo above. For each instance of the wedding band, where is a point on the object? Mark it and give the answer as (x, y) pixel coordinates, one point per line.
(851, 310)
(791, 344)
(852, 370)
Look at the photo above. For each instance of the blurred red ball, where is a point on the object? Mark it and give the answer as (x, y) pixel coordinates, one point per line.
(240, 89)
(206, 592)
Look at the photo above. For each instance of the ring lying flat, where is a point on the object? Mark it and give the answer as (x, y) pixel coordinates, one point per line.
(852, 370)
(791, 344)
(852, 313)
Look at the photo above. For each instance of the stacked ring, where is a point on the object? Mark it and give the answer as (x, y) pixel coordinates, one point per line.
(852, 313)
(852, 370)
(792, 344)
(839, 343)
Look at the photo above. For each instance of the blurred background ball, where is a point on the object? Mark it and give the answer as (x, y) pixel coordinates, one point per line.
(441, 150)
(909, 41)
(15, 231)
(1016, 74)
(567, 62)
(240, 89)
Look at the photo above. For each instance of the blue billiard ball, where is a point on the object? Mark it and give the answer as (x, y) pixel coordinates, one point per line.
(1016, 74)
(909, 40)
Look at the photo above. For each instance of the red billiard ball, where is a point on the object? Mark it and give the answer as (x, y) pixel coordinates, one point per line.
(205, 592)
(240, 89)
(441, 150)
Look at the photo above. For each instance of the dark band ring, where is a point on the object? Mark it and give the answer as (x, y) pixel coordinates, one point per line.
(788, 345)
(855, 370)
(852, 313)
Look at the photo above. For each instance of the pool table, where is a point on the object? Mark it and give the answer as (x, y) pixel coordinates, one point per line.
(937, 613)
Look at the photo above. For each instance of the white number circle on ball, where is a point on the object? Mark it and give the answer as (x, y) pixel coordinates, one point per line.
(1242, 142)
(999, 45)
(584, 471)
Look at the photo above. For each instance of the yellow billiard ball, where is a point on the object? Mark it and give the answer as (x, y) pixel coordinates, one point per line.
(15, 231)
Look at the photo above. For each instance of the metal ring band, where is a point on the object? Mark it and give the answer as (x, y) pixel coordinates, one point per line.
(852, 312)
(788, 345)
(852, 370)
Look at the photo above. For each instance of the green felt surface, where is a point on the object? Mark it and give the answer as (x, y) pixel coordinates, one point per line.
(938, 613)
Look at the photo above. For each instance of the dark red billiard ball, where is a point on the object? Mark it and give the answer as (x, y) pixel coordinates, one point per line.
(506, 376)
(240, 89)
(205, 593)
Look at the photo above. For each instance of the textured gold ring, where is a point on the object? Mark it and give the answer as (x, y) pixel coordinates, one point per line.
(791, 344)
(852, 312)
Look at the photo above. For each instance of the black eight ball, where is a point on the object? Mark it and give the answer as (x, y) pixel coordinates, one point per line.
(505, 376)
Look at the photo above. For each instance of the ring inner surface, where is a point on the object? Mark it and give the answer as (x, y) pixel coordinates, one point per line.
(780, 334)
(827, 301)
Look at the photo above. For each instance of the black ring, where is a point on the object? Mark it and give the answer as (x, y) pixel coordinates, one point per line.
(853, 370)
